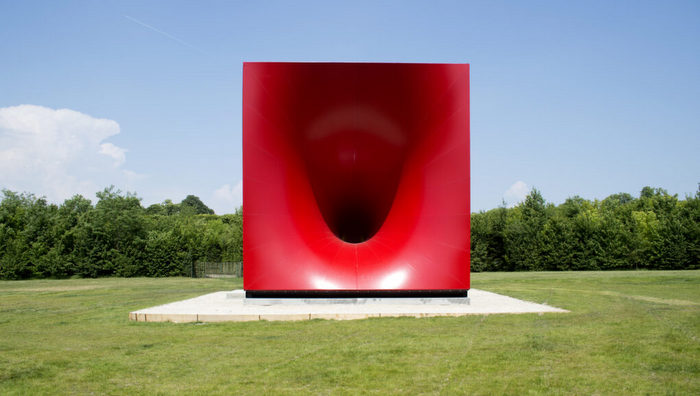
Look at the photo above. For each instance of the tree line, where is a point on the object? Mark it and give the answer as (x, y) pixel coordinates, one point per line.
(654, 231)
(117, 236)
(114, 237)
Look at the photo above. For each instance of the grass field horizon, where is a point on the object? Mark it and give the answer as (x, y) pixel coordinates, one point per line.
(631, 332)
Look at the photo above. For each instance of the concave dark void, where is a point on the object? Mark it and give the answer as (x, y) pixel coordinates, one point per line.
(354, 141)
(354, 173)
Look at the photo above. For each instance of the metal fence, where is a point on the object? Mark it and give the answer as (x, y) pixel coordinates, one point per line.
(205, 269)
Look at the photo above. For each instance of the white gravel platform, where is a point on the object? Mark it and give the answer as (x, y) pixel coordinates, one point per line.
(231, 306)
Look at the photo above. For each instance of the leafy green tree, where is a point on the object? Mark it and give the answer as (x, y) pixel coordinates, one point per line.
(196, 205)
(155, 209)
(26, 235)
(110, 238)
(523, 233)
(487, 240)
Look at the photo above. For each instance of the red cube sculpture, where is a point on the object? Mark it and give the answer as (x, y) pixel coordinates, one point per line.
(355, 179)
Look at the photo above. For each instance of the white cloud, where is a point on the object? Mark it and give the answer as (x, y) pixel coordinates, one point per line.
(57, 153)
(516, 193)
(110, 150)
(227, 199)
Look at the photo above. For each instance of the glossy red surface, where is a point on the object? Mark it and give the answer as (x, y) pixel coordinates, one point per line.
(355, 176)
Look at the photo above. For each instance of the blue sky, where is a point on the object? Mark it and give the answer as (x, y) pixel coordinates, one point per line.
(574, 98)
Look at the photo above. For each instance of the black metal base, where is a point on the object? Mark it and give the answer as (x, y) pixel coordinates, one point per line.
(356, 293)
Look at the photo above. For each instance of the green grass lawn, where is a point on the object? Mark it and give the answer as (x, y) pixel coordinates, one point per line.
(627, 333)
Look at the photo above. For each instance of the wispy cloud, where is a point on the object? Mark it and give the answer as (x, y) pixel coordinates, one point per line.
(166, 34)
(227, 198)
(516, 193)
(110, 150)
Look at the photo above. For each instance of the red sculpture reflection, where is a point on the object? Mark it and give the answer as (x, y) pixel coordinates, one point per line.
(356, 178)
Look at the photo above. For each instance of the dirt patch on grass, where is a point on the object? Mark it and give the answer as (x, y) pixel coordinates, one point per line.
(54, 288)
(657, 300)
(649, 299)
